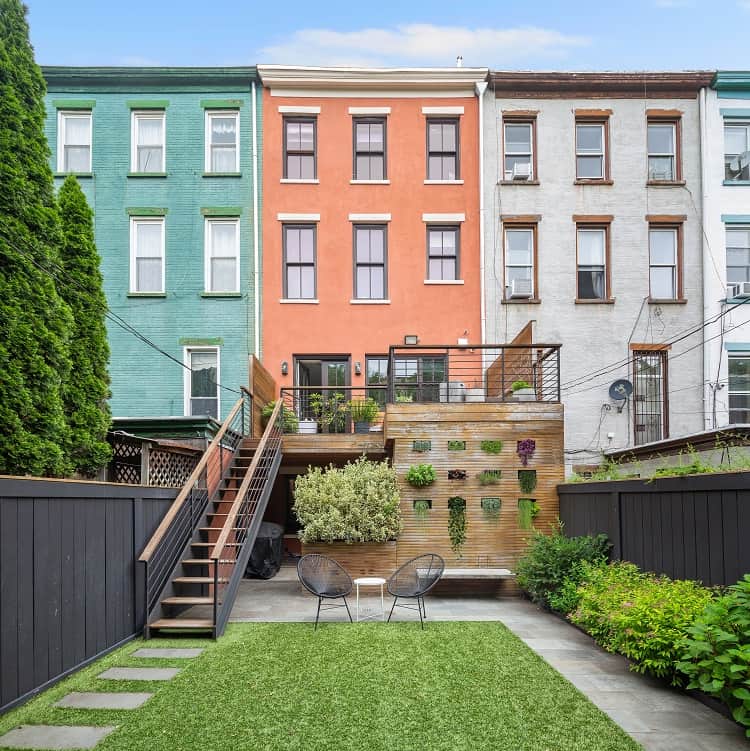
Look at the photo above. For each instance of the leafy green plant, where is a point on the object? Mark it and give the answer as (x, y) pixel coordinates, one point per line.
(456, 445)
(528, 509)
(491, 507)
(518, 385)
(355, 503)
(404, 397)
(421, 446)
(550, 559)
(491, 447)
(421, 475)
(715, 654)
(457, 523)
(527, 480)
(329, 410)
(289, 421)
(489, 476)
(422, 508)
(640, 615)
(363, 410)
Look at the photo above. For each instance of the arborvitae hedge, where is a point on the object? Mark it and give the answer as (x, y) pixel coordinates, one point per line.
(87, 390)
(35, 322)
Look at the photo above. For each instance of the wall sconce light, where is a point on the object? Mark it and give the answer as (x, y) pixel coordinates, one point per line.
(358, 368)
(284, 367)
(411, 339)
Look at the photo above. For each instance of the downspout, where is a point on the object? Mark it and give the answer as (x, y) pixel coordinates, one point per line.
(480, 87)
(256, 241)
(706, 267)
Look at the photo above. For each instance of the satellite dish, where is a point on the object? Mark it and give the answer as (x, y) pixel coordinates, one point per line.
(620, 391)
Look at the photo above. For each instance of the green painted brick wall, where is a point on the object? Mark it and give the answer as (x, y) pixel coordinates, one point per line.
(145, 383)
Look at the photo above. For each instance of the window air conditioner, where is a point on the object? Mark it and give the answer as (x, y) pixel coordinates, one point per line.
(732, 291)
(742, 290)
(521, 171)
(520, 288)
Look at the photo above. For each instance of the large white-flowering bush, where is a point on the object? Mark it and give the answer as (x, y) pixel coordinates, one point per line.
(355, 503)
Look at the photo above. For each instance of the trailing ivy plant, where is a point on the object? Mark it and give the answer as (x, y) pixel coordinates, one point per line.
(421, 475)
(489, 476)
(527, 480)
(456, 445)
(491, 507)
(491, 447)
(422, 508)
(528, 509)
(457, 523)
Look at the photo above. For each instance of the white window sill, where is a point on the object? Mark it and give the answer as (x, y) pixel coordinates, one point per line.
(369, 302)
(443, 281)
(443, 182)
(288, 301)
(369, 182)
(292, 181)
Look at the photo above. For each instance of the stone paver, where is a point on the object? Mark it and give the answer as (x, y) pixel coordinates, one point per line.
(659, 718)
(103, 700)
(171, 654)
(140, 674)
(55, 736)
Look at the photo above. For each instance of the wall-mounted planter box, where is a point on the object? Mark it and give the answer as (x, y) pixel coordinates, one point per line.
(421, 507)
(491, 506)
(489, 476)
(527, 511)
(527, 480)
(456, 474)
(421, 446)
(456, 445)
(491, 447)
(359, 558)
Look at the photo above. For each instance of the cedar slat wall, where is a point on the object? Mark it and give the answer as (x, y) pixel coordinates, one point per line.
(511, 366)
(488, 542)
(263, 389)
(363, 559)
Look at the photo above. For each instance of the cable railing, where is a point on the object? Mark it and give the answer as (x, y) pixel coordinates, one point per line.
(164, 549)
(234, 542)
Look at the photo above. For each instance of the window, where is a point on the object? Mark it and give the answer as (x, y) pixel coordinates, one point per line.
(650, 395)
(419, 378)
(370, 282)
(442, 253)
(519, 262)
(202, 382)
(442, 149)
(738, 255)
(147, 255)
(299, 148)
(222, 141)
(662, 151)
(74, 142)
(664, 270)
(222, 255)
(377, 375)
(736, 151)
(518, 138)
(592, 263)
(739, 388)
(369, 149)
(299, 262)
(591, 150)
(147, 149)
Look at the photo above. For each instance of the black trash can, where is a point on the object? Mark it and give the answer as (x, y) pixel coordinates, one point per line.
(265, 560)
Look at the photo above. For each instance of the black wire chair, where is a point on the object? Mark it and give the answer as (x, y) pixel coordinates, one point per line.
(326, 579)
(413, 580)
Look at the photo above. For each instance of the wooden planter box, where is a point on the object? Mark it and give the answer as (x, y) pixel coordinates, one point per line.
(359, 558)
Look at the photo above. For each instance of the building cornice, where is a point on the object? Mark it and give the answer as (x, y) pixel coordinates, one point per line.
(563, 85)
(68, 77)
(731, 80)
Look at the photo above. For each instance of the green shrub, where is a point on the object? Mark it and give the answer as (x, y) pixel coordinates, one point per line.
(640, 615)
(566, 598)
(421, 475)
(289, 421)
(491, 447)
(550, 559)
(355, 503)
(457, 523)
(363, 410)
(716, 652)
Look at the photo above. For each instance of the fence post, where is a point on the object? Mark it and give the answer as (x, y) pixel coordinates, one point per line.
(615, 525)
(145, 451)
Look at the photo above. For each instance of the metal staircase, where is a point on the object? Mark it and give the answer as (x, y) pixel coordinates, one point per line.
(196, 558)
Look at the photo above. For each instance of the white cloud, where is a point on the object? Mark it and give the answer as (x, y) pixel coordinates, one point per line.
(420, 44)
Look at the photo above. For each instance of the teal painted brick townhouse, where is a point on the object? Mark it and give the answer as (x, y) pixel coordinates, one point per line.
(170, 162)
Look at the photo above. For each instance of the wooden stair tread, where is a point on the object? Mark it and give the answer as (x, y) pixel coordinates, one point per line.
(211, 544)
(188, 601)
(197, 623)
(197, 580)
(205, 561)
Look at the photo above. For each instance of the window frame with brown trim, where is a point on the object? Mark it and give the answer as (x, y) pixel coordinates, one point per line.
(520, 118)
(651, 350)
(601, 222)
(601, 118)
(522, 223)
(673, 118)
(674, 223)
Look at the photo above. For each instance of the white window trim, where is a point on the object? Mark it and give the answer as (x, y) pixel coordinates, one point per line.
(531, 124)
(186, 351)
(286, 217)
(369, 110)
(530, 265)
(294, 109)
(369, 217)
(221, 113)
(135, 220)
(61, 115)
(602, 126)
(651, 265)
(443, 218)
(369, 182)
(443, 111)
(207, 254)
(443, 182)
(151, 115)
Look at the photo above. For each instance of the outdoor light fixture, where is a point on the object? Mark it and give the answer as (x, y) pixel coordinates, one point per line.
(284, 367)
(411, 339)
(358, 368)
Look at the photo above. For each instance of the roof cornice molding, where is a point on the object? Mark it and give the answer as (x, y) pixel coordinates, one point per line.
(591, 85)
(731, 80)
(374, 79)
(68, 76)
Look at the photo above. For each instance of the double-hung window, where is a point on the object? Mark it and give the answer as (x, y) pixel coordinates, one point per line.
(662, 151)
(202, 381)
(222, 255)
(520, 254)
(442, 253)
(147, 255)
(738, 254)
(442, 148)
(592, 262)
(591, 150)
(369, 148)
(222, 141)
(377, 375)
(518, 139)
(299, 148)
(370, 249)
(74, 142)
(736, 151)
(419, 378)
(299, 261)
(147, 149)
(739, 387)
(650, 395)
(664, 256)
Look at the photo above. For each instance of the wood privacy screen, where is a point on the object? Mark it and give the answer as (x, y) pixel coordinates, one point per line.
(263, 389)
(69, 587)
(685, 527)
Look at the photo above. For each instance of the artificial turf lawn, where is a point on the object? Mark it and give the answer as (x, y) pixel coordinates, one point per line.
(389, 687)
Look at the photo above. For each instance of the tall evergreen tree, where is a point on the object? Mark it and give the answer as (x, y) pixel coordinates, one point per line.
(34, 321)
(85, 394)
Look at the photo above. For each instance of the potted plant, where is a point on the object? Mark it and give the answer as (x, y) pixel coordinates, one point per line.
(289, 421)
(421, 475)
(310, 424)
(404, 397)
(329, 411)
(523, 391)
(363, 412)
(491, 507)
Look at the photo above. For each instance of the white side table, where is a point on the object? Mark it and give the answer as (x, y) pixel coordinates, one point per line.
(371, 581)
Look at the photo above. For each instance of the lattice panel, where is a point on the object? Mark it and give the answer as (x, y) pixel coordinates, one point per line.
(125, 466)
(170, 469)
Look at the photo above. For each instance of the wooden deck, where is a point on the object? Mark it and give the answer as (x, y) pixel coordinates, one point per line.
(325, 447)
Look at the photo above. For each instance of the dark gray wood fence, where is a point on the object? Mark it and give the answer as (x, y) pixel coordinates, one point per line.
(69, 587)
(686, 527)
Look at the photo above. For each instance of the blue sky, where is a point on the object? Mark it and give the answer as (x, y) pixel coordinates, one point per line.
(542, 35)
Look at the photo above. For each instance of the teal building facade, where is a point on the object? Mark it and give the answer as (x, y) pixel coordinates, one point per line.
(170, 162)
